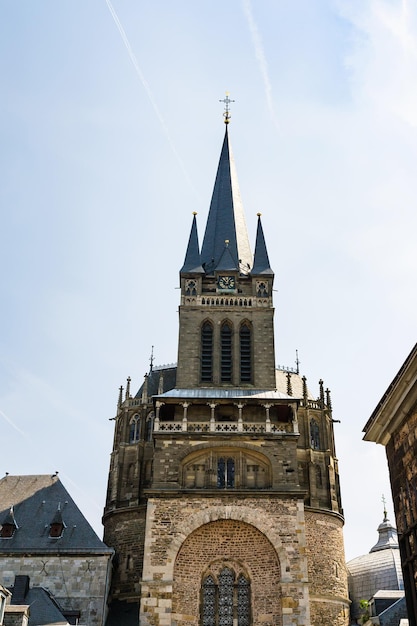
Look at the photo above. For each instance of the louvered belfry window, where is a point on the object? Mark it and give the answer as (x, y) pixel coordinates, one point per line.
(245, 336)
(227, 601)
(226, 352)
(207, 353)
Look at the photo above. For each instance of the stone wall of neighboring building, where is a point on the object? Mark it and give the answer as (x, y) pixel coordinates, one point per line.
(75, 582)
(402, 460)
(327, 573)
(394, 424)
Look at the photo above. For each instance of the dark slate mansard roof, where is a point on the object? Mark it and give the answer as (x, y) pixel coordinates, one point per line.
(36, 500)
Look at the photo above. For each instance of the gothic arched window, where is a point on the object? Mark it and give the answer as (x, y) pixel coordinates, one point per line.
(149, 426)
(134, 430)
(314, 435)
(227, 601)
(226, 352)
(225, 473)
(207, 352)
(245, 336)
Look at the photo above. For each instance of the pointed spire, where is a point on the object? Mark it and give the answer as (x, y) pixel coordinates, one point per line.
(261, 259)
(226, 261)
(226, 220)
(192, 262)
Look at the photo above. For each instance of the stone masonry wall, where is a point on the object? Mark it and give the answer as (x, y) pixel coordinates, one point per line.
(402, 460)
(77, 583)
(184, 537)
(191, 319)
(125, 531)
(329, 602)
(280, 454)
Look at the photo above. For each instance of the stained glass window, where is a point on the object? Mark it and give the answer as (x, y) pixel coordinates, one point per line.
(226, 602)
(225, 473)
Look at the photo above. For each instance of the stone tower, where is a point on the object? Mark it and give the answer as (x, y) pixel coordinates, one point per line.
(223, 500)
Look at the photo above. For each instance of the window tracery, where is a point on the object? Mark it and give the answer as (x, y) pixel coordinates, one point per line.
(134, 430)
(218, 469)
(314, 435)
(226, 600)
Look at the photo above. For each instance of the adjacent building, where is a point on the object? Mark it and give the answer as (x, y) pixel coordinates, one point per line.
(223, 500)
(377, 578)
(394, 425)
(50, 557)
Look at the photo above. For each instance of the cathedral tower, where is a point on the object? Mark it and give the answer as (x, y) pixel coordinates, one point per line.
(223, 502)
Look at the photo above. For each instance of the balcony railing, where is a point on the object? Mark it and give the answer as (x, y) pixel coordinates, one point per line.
(225, 427)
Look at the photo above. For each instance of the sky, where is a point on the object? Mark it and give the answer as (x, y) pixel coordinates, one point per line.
(111, 130)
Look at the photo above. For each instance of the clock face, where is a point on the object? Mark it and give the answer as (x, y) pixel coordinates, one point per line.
(227, 283)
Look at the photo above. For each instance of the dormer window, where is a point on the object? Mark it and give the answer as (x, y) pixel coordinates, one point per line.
(9, 525)
(56, 527)
(7, 531)
(56, 530)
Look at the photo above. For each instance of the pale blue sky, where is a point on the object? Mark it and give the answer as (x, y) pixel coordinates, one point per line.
(111, 131)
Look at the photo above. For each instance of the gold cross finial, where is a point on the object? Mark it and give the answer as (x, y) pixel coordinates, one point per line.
(226, 113)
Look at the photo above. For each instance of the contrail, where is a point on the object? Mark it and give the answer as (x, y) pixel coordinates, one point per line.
(12, 423)
(147, 88)
(260, 55)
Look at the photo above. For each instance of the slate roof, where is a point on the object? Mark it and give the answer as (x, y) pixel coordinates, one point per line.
(226, 219)
(169, 374)
(212, 392)
(192, 262)
(261, 264)
(36, 500)
(43, 609)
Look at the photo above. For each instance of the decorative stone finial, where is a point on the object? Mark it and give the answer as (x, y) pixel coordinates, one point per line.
(328, 399)
(289, 385)
(305, 393)
(321, 393)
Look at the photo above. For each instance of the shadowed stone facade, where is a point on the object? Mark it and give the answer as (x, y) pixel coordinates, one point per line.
(223, 500)
(394, 425)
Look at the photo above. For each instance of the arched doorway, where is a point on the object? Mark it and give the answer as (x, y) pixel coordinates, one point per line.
(227, 573)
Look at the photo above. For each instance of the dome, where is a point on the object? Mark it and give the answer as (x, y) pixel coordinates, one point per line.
(377, 570)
